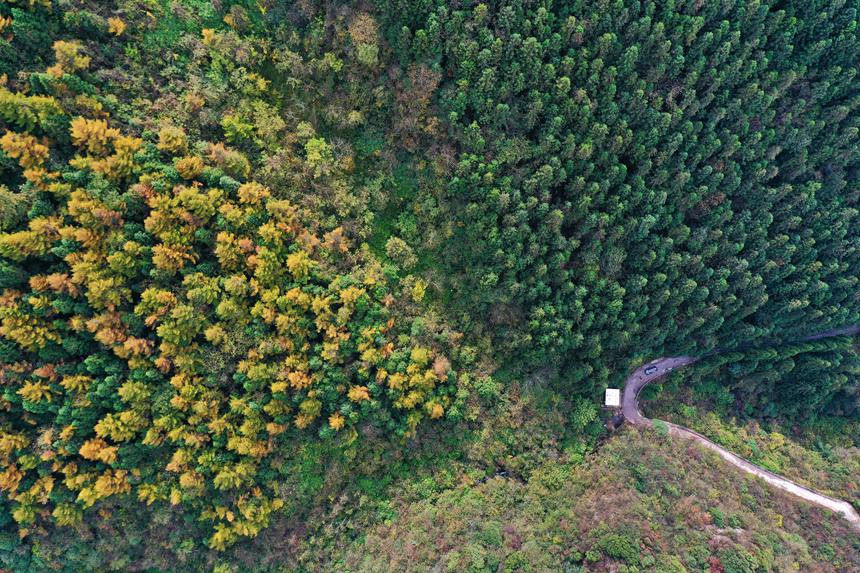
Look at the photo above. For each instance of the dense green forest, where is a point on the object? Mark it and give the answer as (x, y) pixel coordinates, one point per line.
(313, 286)
(640, 176)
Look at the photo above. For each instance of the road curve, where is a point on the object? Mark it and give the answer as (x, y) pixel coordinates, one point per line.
(662, 366)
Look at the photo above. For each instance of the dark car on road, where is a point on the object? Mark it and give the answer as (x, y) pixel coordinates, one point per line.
(650, 370)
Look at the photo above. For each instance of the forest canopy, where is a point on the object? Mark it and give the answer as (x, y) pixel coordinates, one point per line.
(168, 322)
(639, 177)
(271, 269)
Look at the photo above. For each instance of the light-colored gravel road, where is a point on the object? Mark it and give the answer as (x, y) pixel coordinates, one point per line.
(662, 366)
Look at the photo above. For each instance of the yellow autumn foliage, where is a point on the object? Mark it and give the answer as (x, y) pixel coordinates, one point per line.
(10, 442)
(359, 393)
(336, 421)
(97, 449)
(35, 391)
(253, 193)
(68, 514)
(25, 148)
(235, 354)
(351, 294)
(435, 410)
(189, 167)
(30, 332)
(10, 478)
(68, 58)
(121, 426)
(93, 135)
(112, 482)
(116, 26)
(172, 139)
(299, 264)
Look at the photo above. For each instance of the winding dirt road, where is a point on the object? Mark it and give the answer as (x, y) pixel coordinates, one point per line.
(662, 366)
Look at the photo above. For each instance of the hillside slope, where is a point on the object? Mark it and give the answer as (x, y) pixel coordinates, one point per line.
(642, 503)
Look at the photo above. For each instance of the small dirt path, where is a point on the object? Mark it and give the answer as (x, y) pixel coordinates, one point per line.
(662, 366)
